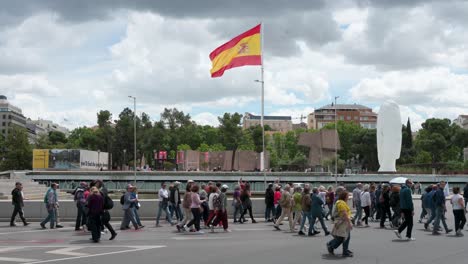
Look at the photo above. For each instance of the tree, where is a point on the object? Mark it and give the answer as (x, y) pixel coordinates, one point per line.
(82, 138)
(347, 131)
(231, 132)
(105, 133)
(409, 135)
(18, 151)
(57, 138)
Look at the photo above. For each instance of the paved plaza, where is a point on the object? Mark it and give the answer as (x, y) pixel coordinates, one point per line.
(247, 243)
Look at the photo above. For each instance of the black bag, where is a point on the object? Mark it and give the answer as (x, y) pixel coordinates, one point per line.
(122, 199)
(108, 203)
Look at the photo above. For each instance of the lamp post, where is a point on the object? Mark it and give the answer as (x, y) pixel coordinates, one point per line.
(134, 139)
(262, 158)
(125, 160)
(336, 144)
(98, 159)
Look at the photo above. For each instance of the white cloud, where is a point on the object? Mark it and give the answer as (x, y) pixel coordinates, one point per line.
(295, 113)
(206, 118)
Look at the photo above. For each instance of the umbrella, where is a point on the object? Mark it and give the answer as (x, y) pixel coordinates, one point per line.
(398, 180)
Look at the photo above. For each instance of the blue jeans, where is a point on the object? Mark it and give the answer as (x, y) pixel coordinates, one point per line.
(175, 209)
(439, 217)
(305, 216)
(137, 216)
(337, 241)
(166, 209)
(50, 217)
(432, 217)
(322, 223)
(269, 211)
(238, 209)
(358, 215)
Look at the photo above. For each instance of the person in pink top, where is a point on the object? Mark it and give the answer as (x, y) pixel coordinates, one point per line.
(196, 211)
(276, 199)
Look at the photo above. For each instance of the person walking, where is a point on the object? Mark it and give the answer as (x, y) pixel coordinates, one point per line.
(174, 201)
(465, 193)
(17, 200)
(424, 207)
(237, 203)
(329, 199)
(277, 197)
(108, 205)
(439, 201)
(246, 203)
(186, 205)
(317, 213)
(51, 203)
(220, 205)
(195, 208)
(163, 196)
(136, 207)
(95, 209)
(459, 211)
(306, 212)
(407, 211)
(128, 204)
(395, 205)
(286, 205)
(269, 203)
(384, 203)
(342, 229)
(297, 206)
(366, 204)
(357, 204)
(80, 201)
(373, 203)
(430, 204)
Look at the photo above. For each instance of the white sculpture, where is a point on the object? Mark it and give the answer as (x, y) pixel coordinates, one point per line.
(388, 136)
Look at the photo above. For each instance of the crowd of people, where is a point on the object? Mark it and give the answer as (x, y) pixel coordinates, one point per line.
(204, 206)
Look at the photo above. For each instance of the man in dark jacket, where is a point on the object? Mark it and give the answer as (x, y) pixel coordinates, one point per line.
(174, 201)
(440, 209)
(80, 201)
(18, 204)
(407, 210)
(269, 203)
(465, 193)
(384, 202)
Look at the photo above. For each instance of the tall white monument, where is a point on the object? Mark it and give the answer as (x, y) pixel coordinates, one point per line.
(388, 136)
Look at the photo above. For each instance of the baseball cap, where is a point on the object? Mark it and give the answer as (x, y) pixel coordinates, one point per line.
(225, 186)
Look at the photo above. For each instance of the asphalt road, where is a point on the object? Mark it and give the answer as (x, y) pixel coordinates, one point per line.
(247, 243)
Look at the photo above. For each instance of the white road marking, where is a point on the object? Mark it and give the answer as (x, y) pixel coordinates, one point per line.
(67, 251)
(16, 259)
(199, 238)
(252, 229)
(36, 231)
(133, 249)
(8, 249)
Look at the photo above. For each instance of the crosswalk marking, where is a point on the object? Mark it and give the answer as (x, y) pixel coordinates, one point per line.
(68, 251)
(17, 259)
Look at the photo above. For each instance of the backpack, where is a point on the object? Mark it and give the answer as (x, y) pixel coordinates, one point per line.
(217, 203)
(122, 199)
(108, 203)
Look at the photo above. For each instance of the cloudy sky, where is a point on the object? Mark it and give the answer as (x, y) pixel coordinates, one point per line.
(66, 60)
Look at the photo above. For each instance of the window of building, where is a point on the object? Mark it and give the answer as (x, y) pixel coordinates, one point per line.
(4, 116)
(3, 124)
(356, 117)
(348, 117)
(341, 117)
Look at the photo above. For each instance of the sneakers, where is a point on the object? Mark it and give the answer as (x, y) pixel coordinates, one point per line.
(43, 226)
(435, 233)
(13, 224)
(448, 231)
(113, 236)
(277, 227)
(327, 233)
(459, 233)
(301, 233)
(426, 226)
(200, 232)
(410, 239)
(398, 234)
(227, 231)
(212, 228)
(330, 249)
(59, 226)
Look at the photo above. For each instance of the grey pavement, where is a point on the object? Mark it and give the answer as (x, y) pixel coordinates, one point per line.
(247, 243)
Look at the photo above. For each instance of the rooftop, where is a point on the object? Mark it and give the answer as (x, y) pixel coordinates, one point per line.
(344, 107)
(256, 117)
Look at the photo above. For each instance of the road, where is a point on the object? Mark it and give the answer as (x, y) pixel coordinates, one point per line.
(247, 243)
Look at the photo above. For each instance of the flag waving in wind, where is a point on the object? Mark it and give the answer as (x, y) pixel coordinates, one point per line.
(242, 50)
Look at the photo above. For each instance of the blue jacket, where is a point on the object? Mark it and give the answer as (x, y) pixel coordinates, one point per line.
(427, 201)
(439, 198)
(406, 199)
(316, 205)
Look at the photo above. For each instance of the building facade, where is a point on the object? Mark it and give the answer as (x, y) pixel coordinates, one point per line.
(359, 114)
(276, 123)
(462, 121)
(47, 126)
(10, 116)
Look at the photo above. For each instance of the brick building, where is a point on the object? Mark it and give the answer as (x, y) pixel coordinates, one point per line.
(359, 114)
(277, 123)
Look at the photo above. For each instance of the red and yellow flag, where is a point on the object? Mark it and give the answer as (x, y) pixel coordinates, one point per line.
(242, 50)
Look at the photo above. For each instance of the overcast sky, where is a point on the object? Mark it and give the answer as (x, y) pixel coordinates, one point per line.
(66, 60)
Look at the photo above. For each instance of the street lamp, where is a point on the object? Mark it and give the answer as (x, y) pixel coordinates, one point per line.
(98, 159)
(125, 159)
(336, 144)
(134, 139)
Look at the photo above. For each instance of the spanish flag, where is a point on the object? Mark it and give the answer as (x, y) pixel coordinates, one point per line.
(242, 50)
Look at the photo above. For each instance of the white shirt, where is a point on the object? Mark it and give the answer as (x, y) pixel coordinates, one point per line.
(365, 199)
(455, 202)
(163, 193)
(210, 200)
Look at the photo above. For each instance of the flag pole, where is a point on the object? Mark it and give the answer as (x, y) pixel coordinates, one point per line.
(263, 111)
